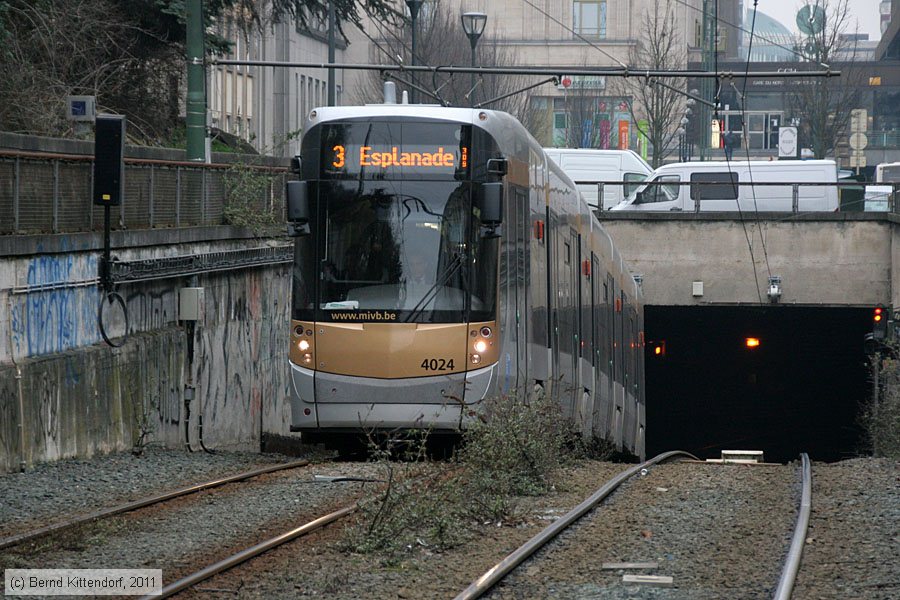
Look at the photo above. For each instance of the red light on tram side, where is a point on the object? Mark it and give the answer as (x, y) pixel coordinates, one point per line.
(539, 230)
(586, 268)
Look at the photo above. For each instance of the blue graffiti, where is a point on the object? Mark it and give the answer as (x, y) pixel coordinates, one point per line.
(56, 320)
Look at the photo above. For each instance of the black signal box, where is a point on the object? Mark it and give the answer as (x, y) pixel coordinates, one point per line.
(109, 164)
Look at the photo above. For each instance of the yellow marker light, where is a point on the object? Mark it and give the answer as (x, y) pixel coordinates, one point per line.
(752, 342)
(877, 318)
(657, 350)
(480, 346)
(303, 345)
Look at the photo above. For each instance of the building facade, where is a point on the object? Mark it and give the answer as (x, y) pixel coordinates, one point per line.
(264, 105)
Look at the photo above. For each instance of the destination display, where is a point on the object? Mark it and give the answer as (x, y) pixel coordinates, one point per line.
(395, 150)
(368, 156)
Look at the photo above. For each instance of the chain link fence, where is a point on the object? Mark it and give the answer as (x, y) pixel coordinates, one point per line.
(48, 193)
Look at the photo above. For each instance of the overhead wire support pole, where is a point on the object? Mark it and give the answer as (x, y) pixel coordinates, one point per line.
(331, 48)
(195, 119)
(547, 70)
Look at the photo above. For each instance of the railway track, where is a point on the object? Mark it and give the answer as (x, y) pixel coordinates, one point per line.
(493, 576)
(35, 534)
(251, 552)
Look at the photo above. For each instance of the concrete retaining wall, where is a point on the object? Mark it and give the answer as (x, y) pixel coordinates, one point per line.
(81, 396)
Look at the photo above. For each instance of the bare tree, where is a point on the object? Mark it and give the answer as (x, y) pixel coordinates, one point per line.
(581, 105)
(442, 42)
(56, 48)
(657, 102)
(824, 104)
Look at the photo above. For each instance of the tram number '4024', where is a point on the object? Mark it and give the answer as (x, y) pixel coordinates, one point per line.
(437, 364)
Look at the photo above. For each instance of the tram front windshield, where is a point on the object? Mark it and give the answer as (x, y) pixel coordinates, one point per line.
(398, 243)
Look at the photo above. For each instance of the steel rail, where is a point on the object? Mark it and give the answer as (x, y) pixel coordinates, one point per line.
(136, 504)
(549, 70)
(501, 569)
(245, 555)
(792, 563)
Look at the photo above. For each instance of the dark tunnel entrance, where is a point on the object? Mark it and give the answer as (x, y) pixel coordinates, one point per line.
(800, 390)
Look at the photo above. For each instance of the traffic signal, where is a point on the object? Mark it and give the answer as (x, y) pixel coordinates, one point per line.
(879, 323)
(109, 166)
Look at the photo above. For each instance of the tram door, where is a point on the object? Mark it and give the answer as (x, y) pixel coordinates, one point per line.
(609, 295)
(568, 319)
(554, 267)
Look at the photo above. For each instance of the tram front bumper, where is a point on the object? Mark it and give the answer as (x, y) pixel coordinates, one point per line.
(327, 401)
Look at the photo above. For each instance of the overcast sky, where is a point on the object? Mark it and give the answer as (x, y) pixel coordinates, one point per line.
(785, 11)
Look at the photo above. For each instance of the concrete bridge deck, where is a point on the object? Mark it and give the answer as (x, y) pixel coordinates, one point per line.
(823, 259)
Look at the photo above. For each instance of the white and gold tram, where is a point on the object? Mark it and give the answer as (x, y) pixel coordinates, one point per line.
(440, 259)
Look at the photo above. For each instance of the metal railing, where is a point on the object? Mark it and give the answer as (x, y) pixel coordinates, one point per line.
(879, 201)
(51, 193)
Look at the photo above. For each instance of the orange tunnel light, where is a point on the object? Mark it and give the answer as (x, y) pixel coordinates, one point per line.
(752, 342)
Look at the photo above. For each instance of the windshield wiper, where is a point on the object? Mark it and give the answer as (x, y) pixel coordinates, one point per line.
(431, 293)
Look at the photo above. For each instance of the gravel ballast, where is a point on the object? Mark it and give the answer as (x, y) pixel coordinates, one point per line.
(721, 531)
(51, 492)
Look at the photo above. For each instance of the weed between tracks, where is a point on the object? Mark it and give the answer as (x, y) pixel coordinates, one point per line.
(513, 451)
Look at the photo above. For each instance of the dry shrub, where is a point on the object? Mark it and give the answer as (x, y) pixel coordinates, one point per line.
(881, 416)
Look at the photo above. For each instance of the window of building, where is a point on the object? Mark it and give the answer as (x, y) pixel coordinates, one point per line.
(559, 120)
(589, 18)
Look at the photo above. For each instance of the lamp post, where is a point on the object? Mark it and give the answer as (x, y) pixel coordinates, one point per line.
(683, 130)
(473, 24)
(414, 6)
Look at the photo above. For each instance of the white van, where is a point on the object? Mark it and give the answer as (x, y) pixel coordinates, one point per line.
(587, 167)
(729, 197)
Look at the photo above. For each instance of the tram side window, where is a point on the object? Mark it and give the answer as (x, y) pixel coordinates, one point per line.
(714, 186)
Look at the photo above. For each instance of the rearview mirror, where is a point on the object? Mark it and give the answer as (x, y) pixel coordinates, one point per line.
(489, 202)
(297, 208)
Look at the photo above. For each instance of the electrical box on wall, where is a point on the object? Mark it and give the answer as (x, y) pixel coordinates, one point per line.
(190, 304)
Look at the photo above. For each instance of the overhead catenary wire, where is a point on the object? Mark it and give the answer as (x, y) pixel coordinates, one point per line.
(547, 70)
(762, 235)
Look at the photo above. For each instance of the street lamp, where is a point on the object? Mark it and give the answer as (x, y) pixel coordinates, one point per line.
(473, 24)
(682, 140)
(414, 6)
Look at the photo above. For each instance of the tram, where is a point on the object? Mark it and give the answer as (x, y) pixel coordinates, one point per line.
(440, 259)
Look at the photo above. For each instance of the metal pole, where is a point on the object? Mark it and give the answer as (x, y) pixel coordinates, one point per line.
(795, 192)
(472, 87)
(876, 366)
(196, 96)
(413, 94)
(331, 25)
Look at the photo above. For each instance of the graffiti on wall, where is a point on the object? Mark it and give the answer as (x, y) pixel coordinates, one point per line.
(45, 321)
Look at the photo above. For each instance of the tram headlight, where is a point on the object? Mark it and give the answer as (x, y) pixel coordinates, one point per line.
(476, 358)
(303, 345)
(307, 358)
(480, 346)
